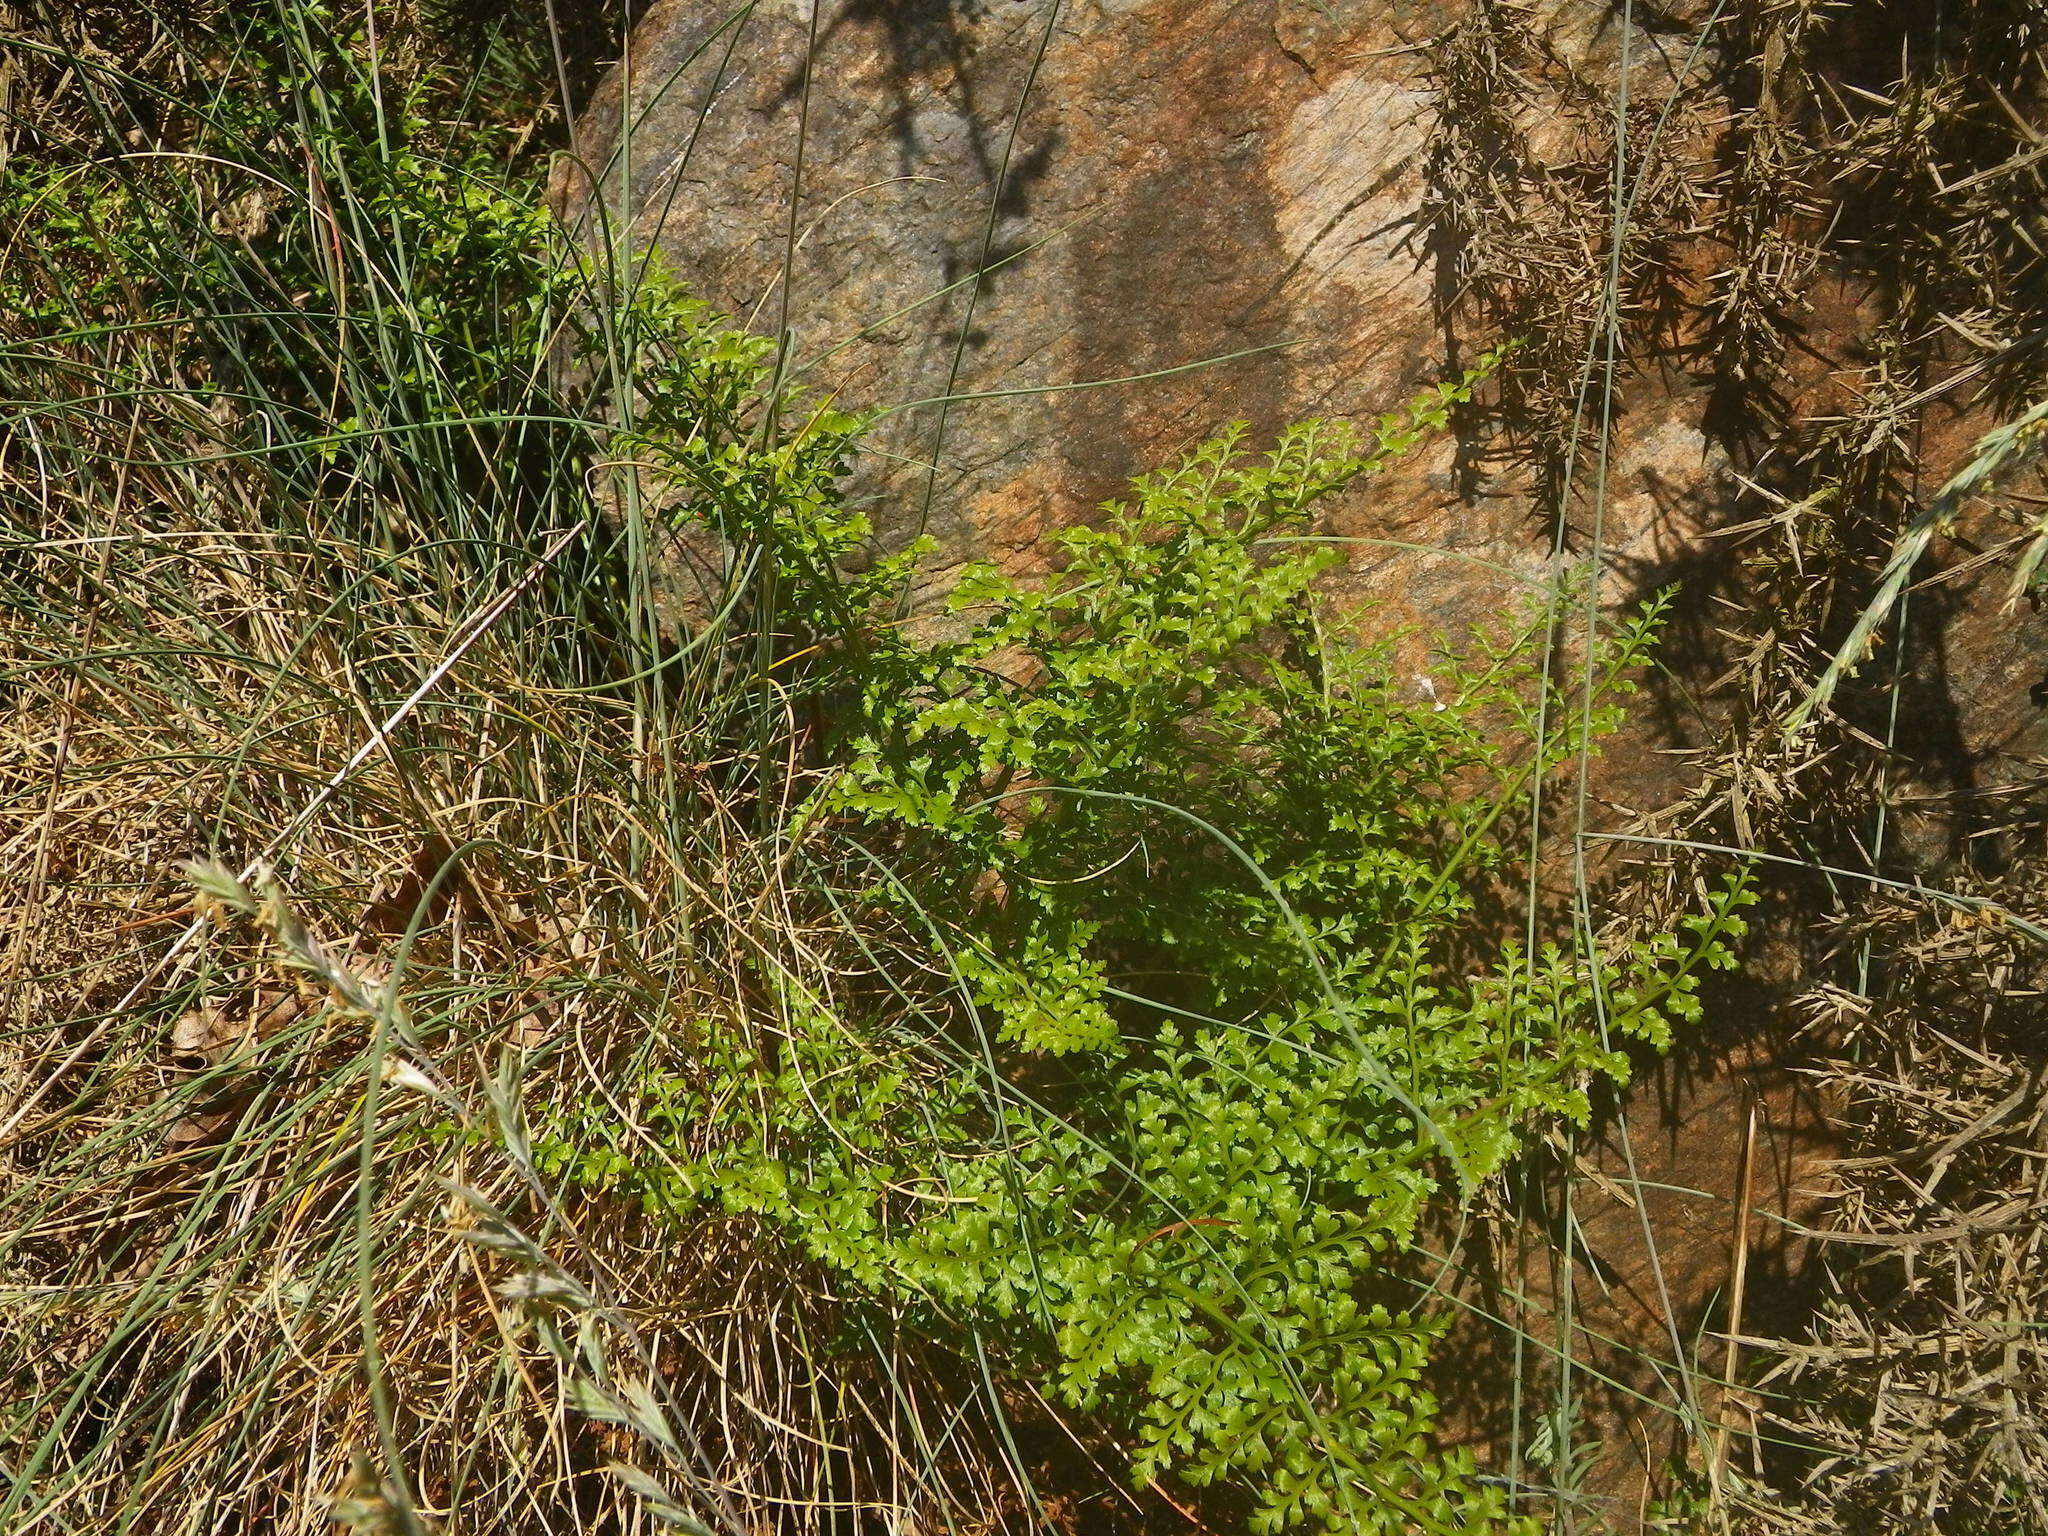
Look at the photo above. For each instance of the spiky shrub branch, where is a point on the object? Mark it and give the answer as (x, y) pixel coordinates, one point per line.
(1858, 289)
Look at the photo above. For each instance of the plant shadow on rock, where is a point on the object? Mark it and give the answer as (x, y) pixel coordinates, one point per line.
(931, 46)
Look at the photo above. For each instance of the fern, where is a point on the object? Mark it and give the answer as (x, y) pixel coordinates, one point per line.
(1206, 880)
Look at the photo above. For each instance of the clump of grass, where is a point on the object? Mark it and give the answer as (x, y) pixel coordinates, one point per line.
(321, 559)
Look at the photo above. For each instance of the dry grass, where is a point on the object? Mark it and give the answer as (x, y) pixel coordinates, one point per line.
(232, 1257)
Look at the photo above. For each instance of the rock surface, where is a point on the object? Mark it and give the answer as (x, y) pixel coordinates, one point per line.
(1233, 190)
